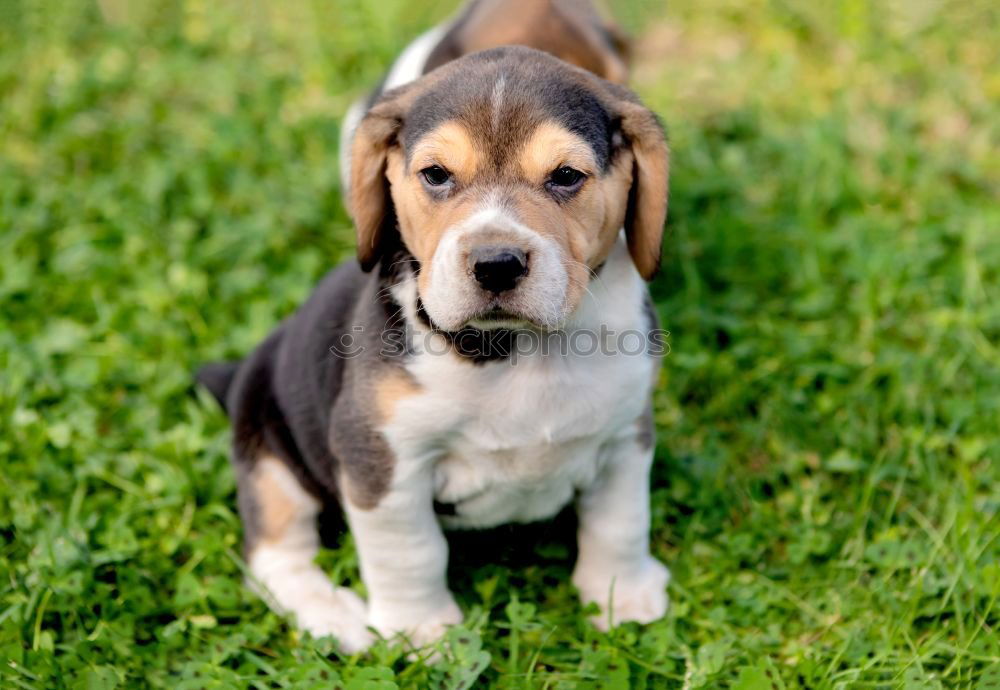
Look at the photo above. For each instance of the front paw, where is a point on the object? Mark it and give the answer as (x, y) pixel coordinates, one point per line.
(639, 595)
(341, 613)
(417, 624)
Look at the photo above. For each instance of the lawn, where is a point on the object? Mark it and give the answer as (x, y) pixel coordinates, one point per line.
(827, 484)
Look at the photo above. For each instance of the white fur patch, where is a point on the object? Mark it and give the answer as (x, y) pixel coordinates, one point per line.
(403, 557)
(409, 66)
(614, 568)
(347, 129)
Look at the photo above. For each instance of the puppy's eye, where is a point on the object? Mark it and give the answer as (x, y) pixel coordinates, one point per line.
(566, 178)
(436, 176)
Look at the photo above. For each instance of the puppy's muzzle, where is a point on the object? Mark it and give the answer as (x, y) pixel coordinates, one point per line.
(498, 269)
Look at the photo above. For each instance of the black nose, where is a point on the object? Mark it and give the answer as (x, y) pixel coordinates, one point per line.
(498, 269)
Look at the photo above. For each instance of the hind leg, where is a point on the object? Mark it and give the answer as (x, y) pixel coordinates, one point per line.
(282, 541)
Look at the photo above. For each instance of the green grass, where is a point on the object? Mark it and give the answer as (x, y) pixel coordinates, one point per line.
(827, 486)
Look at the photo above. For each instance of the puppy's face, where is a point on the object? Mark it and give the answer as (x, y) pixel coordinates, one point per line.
(508, 175)
(505, 234)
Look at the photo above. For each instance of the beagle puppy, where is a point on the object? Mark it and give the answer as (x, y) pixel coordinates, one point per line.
(468, 369)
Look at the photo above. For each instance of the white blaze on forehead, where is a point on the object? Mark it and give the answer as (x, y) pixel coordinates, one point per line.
(496, 101)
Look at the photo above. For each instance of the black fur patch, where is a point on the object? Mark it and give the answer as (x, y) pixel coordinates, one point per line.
(477, 346)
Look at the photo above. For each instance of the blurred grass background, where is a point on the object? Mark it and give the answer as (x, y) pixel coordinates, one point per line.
(827, 478)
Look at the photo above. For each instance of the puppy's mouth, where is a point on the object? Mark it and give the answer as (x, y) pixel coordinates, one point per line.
(498, 317)
(490, 319)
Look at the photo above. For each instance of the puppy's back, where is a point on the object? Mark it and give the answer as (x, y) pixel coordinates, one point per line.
(572, 30)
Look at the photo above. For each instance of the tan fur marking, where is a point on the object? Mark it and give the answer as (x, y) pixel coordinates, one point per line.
(550, 146)
(614, 187)
(449, 146)
(652, 163)
(277, 510)
(367, 189)
(422, 220)
(587, 225)
(395, 385)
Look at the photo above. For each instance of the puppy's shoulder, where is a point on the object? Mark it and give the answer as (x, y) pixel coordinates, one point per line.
(324, 335)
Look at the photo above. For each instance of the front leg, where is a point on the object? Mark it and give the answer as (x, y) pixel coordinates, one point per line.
(614, 568)
(403, 556)
(279, 518)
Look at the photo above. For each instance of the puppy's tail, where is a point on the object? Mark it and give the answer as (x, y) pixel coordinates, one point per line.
(218, 377)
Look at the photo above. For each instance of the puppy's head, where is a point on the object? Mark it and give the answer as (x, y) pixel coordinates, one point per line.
(508, 174)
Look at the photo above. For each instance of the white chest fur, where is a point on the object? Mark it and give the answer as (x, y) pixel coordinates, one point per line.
(514, 441)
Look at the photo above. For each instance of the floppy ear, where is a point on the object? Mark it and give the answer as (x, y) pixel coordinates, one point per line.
(647, 206)
(370, 201)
